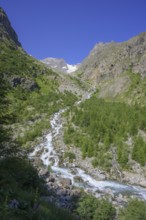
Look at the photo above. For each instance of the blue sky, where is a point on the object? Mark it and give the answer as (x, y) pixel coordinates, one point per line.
(70, 28)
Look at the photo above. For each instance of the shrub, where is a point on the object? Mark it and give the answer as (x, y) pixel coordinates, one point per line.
(135, 210)
(90, 208)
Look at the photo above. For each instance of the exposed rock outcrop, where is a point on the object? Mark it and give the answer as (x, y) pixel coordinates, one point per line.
(26, 83)
(6, 30)
(107, 60)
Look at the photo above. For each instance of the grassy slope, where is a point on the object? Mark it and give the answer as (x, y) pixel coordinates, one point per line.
(31, 109)
(27, 112)
(127, 87)
(30, 112)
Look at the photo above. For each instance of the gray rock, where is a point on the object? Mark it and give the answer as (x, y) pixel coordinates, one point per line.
(76, 192)
(78, 179)
(26, 83)
(44, 173)
(51, 179)
(65, 182)
(6, 30)
(107, 60)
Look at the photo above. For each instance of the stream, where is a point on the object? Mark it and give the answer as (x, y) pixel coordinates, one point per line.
(88, 183)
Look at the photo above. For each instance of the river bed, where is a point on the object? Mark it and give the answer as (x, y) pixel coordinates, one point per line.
(78, 176)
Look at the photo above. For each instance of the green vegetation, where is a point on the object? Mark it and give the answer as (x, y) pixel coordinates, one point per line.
(70, 155)
(135, 210)
(3, 114)
(21, 189)
(79, 82)
(139, 150)
(96, 126)
(26, 105)
(136, 93)
(37, 107)
(15, 62)
(29, 95)
(20, 193)
(90, 208)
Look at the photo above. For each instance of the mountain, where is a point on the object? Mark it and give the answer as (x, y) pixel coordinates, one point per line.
(29, 95)
(6, 30)
(95, 121)
(32, 88)
(60, 65)
(108, 60)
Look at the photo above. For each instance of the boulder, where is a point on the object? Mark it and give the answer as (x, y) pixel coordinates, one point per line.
(44, 173)
(26, 83)
(51, 179)
(65, 182)
(75, 192)
(78, 179)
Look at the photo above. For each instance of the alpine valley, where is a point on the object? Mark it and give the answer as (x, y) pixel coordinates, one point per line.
(72, 137)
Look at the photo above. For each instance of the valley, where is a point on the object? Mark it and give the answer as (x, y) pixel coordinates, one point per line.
(73, 137)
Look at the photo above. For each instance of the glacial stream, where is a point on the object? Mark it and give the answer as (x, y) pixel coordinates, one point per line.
(48, 155)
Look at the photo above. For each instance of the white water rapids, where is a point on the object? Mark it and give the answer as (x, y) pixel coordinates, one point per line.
(88, 182)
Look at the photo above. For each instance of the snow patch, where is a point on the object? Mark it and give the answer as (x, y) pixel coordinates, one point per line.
(71, 68)
(64, 67)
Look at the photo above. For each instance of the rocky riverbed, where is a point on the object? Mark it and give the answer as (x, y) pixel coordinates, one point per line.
(66, 180)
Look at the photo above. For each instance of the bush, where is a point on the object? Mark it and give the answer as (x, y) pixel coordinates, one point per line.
(20, 183)
(97, 209)
(135, 210)
(71, 156)
(139, 151)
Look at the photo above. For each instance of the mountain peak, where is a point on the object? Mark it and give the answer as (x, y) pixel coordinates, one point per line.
(6, 30)
(60, 65)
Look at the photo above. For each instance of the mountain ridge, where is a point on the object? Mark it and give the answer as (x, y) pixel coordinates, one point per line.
(59, 64)
(107, 60)
(6, 30)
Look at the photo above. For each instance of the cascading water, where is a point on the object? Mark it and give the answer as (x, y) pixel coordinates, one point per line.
(49, 156)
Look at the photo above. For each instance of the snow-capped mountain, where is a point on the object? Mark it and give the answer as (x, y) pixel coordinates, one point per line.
(60, 65)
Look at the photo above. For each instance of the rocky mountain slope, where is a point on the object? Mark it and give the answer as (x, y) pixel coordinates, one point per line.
(6, 30)
(36, 87)
(118, 73)
(60, 65)
(108, 60)
(29, 95)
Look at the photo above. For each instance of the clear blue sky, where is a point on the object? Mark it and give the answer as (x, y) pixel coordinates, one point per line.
(70, 28)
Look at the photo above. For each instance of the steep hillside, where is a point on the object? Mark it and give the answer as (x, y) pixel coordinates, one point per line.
(29, 95)
(107, 60)
(33, 88)
(110, 127)
(117, 70)
(6, 30)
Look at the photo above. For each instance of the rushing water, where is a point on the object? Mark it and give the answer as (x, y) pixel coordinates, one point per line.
(88, 182)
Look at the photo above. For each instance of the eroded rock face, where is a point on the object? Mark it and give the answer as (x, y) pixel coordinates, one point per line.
(6, 30)
(107, 60)
(26, 83)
